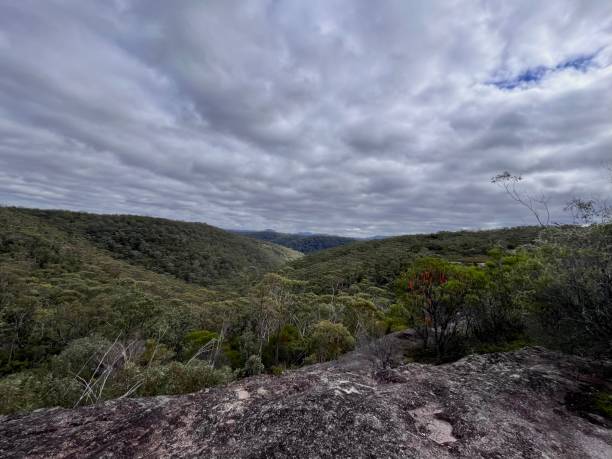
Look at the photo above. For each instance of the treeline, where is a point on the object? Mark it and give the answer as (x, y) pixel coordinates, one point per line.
(305, 243)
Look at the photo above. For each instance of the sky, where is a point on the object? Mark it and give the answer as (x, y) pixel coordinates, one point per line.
(352, 117)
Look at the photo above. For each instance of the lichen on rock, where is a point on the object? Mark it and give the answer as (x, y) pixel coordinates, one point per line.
(496, 405)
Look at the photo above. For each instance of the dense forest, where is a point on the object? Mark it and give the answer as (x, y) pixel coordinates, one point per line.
(305, 243)
(380, 261)
(195, 252)
(96, 307)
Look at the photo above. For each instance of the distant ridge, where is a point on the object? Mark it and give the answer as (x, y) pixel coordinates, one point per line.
(305, 242)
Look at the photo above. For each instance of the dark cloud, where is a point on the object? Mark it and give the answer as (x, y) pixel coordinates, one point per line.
(336, 116)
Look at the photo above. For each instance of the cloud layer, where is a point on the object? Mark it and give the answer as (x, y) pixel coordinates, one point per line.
(347, 117)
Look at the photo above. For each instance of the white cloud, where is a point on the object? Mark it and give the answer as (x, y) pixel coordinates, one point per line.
(323, 116)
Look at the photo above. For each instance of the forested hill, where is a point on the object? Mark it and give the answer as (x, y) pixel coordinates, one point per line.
(379, 262)
(305, 243)
(194, 252)
(56, 288)
(79, 290)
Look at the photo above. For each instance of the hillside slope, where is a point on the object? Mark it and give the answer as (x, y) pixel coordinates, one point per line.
(56, 287)
(305, 243)
(519, 404)
(31, 246)
(379, 262)
(194, 252)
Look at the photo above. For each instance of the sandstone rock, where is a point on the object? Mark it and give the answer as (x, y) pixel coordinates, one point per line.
(506, 405)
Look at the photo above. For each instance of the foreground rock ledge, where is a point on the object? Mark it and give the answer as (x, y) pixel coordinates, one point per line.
(489, 406)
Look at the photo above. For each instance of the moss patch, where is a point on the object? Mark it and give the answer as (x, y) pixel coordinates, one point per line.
(602, 402)
(593, 404)
(502, 346)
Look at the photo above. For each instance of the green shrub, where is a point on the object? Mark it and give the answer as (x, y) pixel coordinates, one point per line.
(437, 295)
(277, 370)
(195, 340)
(19, 392)
(81, 357)
(329, 340)
(32, 389)
(573, 299)
(286, 347)
(178, 378)
(156, 353)
(397, 318)
(64, 392)
(253, 366)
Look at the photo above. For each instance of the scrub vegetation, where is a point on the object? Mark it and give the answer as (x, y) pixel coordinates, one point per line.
(95, 307)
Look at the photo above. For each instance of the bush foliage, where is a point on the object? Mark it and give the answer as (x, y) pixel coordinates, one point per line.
(98, 307)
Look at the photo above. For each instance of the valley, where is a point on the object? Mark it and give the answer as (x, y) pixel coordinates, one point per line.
(98, 307)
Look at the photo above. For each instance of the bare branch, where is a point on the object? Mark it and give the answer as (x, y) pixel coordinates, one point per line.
(538, 206)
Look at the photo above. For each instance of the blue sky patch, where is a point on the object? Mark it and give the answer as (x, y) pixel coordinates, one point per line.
(535, 74)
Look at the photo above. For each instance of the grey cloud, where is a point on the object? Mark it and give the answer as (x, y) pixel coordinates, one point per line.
(335, 116)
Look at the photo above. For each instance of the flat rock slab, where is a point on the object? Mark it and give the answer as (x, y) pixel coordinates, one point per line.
(505, 405)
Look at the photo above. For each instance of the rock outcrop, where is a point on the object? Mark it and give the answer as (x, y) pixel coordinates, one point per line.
(503, 405)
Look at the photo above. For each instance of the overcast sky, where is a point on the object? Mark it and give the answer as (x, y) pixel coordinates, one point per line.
(346, 117)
